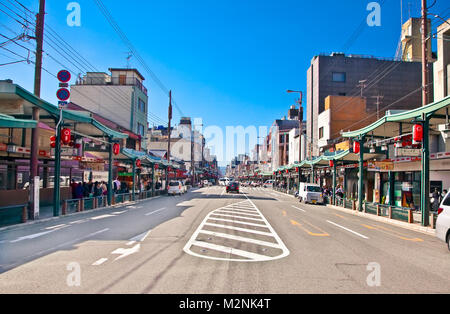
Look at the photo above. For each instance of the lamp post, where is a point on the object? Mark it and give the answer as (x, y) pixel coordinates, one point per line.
(300, 120)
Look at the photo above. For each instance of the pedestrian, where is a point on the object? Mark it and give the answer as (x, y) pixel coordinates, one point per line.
(104, 188)
(73, 187)
(435, 200)
(79, 191)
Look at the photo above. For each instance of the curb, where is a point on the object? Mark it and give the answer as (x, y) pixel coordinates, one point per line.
(401, 224)
(41, 221)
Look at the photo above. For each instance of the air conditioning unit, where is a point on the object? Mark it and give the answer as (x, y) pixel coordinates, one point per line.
(445, 130)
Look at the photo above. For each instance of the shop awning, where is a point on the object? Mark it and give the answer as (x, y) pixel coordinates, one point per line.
(389, 125)
(11, 122)
(19, 103)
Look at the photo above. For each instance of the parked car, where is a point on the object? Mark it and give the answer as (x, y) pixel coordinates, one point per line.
(443, 221)
(185, 187)
(207, 183)
(175, 188)
(233, 187)
(310, 193)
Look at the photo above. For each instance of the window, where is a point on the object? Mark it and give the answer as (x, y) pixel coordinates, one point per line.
(141, 105)
(321, 132)
(141, 130)
(339, 77)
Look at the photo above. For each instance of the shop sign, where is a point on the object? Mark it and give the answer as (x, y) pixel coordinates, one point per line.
(381, 166)
(18, 149)
(3, 147)
(407, 152)
(97, 176)
(66, 152)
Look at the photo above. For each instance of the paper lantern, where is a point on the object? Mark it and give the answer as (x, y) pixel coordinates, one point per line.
(66, 136)
(138, 163)
(116, 149)
(418, 133)
(331, 163)
(53, 141)
(356, 147)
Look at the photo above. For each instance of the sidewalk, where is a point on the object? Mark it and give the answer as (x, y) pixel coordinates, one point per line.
(46, 213)
(413, 227)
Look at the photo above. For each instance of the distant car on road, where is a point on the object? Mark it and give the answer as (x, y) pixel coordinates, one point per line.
(207, 183)
(310, 193)
(443, 221)
(175, 188)
(233, 187)
(268, 184)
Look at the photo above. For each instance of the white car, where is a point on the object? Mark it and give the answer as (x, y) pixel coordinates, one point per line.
(268, 184)
(175, 188)
(310, 193)
(443, 221)
(207, 183)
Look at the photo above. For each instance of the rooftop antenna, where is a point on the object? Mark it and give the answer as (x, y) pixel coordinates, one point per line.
(129, 56)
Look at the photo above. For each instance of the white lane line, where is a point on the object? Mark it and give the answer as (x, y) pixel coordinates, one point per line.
(238, 229)
(299, 209)
(55, 227)
(119, 213)
(102, 217)
(100, 261)
(238, 222)
(346, 229)
(235, 216)
(242, 209)
(242, 239)
(37, 235)
(224, 249)
(156, 211)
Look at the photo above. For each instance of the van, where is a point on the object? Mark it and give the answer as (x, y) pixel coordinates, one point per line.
(310, 193)
(443, 221)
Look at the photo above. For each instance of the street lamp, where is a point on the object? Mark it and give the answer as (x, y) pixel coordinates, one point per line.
(300, 120)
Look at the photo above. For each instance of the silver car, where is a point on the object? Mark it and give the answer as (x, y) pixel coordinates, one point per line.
(443, 221)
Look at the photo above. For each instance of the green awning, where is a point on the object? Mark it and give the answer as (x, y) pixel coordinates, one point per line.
(388, 126)
(11, 122)
(19, 102)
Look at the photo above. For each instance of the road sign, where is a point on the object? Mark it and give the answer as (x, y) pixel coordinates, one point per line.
(64, 76)
(63, 94)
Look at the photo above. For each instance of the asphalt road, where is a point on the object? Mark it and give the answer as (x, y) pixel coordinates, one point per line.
(207, 241)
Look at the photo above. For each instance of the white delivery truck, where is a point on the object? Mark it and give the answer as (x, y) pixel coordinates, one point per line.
(310, 193)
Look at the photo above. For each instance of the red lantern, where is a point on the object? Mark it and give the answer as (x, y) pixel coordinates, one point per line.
(116, 149)
(297, 170)
(287, 171)
(138, 163)
(66, 136)
(156, 166)
(356, 147)
(418, 133)
(331, 163)
(53, 141)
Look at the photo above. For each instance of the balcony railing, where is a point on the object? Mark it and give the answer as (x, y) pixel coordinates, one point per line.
(114, 81)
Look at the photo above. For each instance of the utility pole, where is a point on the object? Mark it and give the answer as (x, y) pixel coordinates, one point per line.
(424, 53)
(363, 85)
(170, 134)
(170, 125)
(378, 98)
(37, 91)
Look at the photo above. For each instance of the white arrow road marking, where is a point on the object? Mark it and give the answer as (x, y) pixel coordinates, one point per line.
(141, 237)
(126, 252)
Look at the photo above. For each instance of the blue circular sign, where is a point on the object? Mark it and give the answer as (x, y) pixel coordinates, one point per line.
(64, 76)
(63, 94)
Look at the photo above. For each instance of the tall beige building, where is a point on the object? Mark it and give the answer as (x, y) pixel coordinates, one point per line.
(412, 40)
(442, 65)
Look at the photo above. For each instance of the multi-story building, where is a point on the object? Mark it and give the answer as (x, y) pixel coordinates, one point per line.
(442, 65)
(119, 97)
(385, 84)
(412, 40)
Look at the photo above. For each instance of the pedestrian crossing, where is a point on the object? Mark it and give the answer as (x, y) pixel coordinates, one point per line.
(238, 232)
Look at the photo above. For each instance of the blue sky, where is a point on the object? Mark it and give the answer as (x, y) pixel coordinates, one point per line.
(228, 62)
